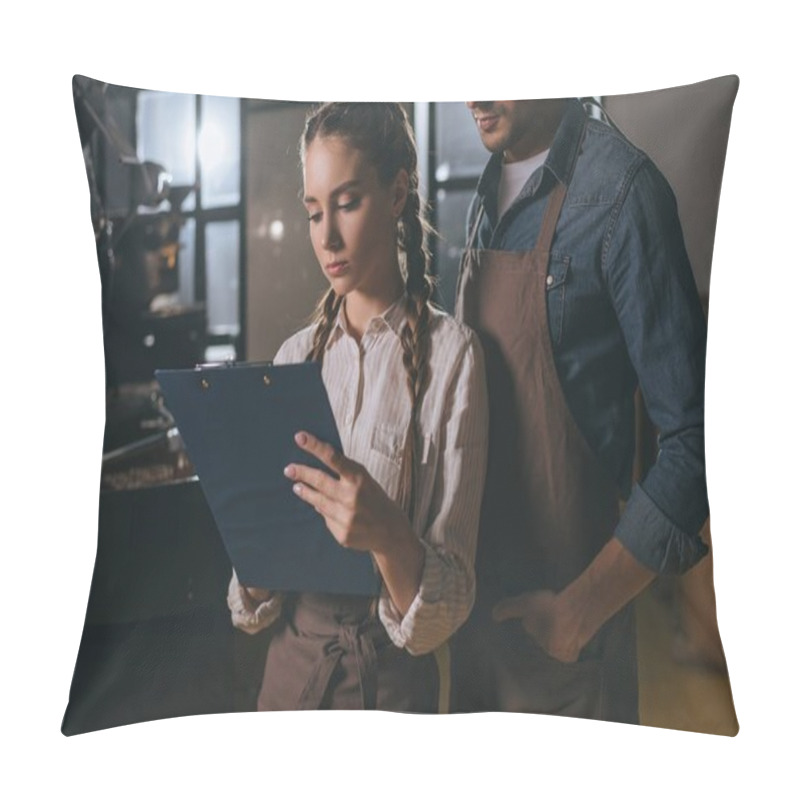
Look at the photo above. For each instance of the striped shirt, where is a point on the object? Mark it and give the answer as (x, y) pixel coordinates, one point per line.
(366, 384)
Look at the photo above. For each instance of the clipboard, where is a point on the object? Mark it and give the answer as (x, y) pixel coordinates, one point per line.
(238, 422)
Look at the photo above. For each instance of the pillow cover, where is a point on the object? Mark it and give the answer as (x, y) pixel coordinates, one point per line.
(194, 204)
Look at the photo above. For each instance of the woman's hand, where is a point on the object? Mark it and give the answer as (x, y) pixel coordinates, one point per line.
(257, 596)
(356, 509)
(252, 609)
(360, 515)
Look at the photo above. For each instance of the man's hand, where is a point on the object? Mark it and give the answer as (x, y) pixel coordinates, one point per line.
(545, 620)
(562, 624)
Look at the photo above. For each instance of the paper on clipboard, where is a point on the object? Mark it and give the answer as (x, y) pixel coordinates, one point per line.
(238, 423)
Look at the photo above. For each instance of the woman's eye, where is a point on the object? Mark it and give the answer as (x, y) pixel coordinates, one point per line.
(350, 205)
(315, 217)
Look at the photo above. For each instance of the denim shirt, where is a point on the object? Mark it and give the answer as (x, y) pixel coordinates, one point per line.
(623, 310)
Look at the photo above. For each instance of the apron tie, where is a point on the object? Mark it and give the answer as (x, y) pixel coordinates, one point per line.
(354, 639)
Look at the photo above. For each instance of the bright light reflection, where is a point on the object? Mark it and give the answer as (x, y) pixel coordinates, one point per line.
(213, 146)
(276, 231)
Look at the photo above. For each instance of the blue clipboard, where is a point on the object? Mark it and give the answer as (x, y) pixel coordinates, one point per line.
(238, 423)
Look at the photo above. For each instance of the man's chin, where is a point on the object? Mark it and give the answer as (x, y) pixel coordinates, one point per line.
(494, 144)
(491, 147)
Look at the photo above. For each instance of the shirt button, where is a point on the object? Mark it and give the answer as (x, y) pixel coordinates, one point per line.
(349, 419)
(549, 280)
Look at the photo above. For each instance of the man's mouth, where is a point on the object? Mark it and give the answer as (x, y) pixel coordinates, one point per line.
(487, 122)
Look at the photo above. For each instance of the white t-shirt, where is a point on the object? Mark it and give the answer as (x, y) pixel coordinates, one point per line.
(513, 177)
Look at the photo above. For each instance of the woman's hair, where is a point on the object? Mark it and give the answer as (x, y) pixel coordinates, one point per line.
(382, 132)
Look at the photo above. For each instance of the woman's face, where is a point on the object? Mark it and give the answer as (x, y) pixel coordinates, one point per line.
(352, 218)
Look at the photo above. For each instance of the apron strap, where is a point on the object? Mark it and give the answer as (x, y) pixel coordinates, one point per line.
(550, 220)
(548, 228)
(552, 211)
(442, 655)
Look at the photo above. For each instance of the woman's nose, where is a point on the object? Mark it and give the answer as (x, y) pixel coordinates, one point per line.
(331, 240)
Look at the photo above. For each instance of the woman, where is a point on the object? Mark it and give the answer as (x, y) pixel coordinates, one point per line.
(407, 388)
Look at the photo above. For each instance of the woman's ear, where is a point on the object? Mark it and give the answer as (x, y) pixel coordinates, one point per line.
(399, 193)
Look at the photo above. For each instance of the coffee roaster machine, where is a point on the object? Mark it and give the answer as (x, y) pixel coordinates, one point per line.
(138, 255)
(158, 641)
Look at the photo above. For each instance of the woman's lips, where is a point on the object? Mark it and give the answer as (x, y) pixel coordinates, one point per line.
(336, 268)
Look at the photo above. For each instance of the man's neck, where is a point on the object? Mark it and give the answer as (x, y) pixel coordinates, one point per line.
(539, 137)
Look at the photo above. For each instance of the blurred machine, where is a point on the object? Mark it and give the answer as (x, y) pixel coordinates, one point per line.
(157, 641)
(137, 251)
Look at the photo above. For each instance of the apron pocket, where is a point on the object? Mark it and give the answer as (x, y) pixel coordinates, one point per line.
(532, 681)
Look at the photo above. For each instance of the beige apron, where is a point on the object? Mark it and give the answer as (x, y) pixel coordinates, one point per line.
(549, 506)
(332, 651)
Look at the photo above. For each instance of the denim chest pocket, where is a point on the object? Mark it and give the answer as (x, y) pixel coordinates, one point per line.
(556, 291)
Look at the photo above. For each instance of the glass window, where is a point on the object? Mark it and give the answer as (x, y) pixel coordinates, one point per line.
(459, 151)
(186, 262)
(222, 277)
(219, 145)
(451, 214)
(166, 133)
(220, 352)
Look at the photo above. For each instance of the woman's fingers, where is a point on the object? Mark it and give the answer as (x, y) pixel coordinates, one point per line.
(257, 595)
(353, 505)
(325, 452)
(323, 505)
(315, 478)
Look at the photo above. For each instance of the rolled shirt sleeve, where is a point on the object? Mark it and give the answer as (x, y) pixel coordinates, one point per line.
(244, 615)
(655, 298)
(447, 589)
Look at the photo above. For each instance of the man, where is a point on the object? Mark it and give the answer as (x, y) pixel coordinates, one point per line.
(577, 280)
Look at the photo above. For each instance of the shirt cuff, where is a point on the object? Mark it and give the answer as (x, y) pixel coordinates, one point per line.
(408, 631)
(654, 539)
(247, 618)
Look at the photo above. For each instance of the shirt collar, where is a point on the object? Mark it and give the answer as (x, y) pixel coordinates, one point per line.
(393, 318)
(560, 160)
(567, 141)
